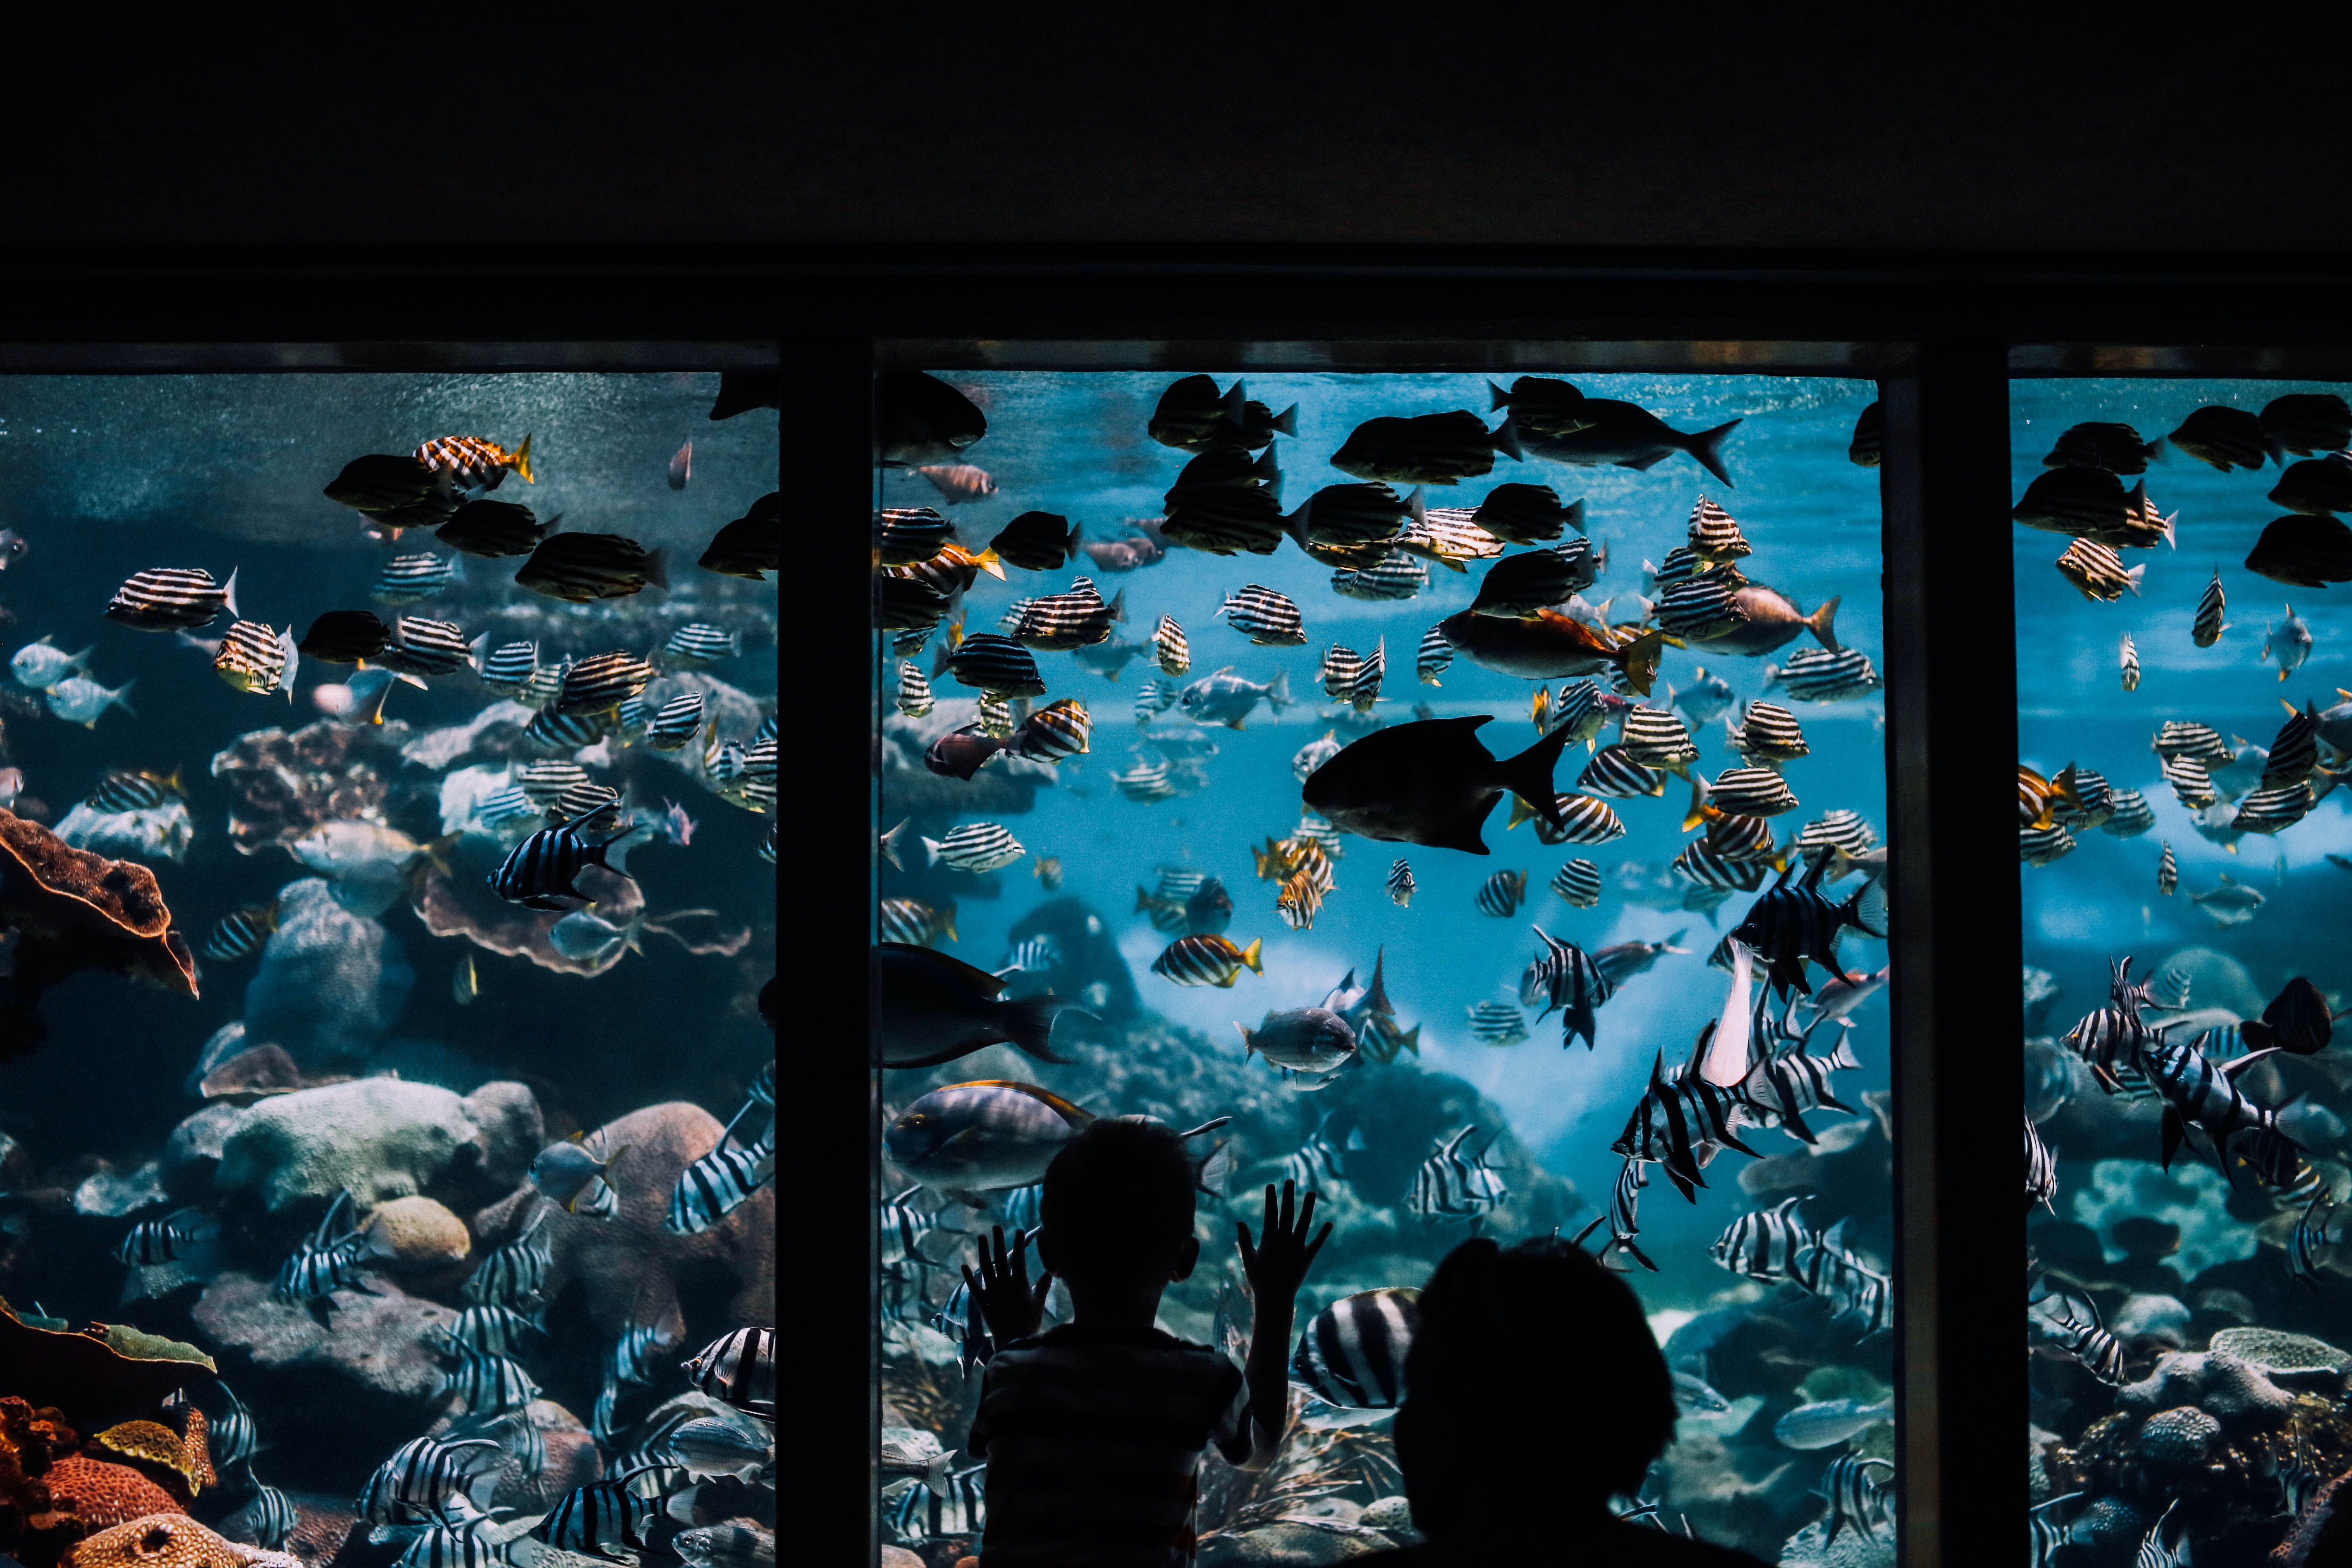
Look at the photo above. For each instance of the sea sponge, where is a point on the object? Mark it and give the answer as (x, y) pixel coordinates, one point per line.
(100, 1494)
(163, 1539)
(2178, 1437)
(416, 1233)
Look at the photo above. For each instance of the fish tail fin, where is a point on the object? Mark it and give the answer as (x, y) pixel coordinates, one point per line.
(1641, 655)
(1501, 399)
(1699, 810)
(120, 697)
(947, 923)
(1277, 693)
(1249, 1041)
(1118, 604)
(1528, 776)
(656, 568)
(1235, 404)
(1771, 676)
(1376, 997)
(1708, 448)
(1250, 956)
(987, 562)
(228, 593)
(1416, 505)
(2132, 577)
(1823, 624)
(80, 660)
(522, 462)
(1145, 902)
(1286, 421)
(1029, 1021)
(1505, 438)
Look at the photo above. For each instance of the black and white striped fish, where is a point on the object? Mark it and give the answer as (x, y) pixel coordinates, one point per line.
(1763, 1244)
(1745, 792)
(1681, 564)
(1502, 894)
(1706, 865)
(2130, 664)
(1155, 698)
(489, 1384)
(1612, 774)
(1145, 783)
(1622, 1217)
(408, 579)
(1224, 519)
(171, 598)
(458, 1545)
(1168, 647)
(2199, 742)
(2212, 608)
(714, 1185)
(1785, 1084)
(493, 1329)
(565, 732)
(679, 720)
(1705, 607)
(600, 683)
(1577, 882)
(1059, 622)
(2073, 1319)
(1317, 1161)
(602, 1518)
(1674, 1119)
(1767, 735)
(1401, 883)
(268, 1518)
(987, 662)
(513, 1275)
(1060, 729)
(421, 645)
(254, 658)
(1314, 754)
(1838, 832)
(1565, 977)
(509, 665)
(2130, 814)
(1714, 536)
(977, 846)
(2198, 1093)
(1453, 1185)
(424, 1477)
(2274, 810)
(1657, 737)
(2040, 1170)
(1583, 820)
(1269, 619)
(544, 782)
(1395, 576)
(1745, 840)
(2310, 1243)
(1437, 656)
(914, 698)
(538, 873)
(738, 1368)
(700, 642)
(1447, 535)
(2192, 785)
(1496, 1024)
(153, 1242)
(326, 1260)
(1856, 1501)
(1817, 675)
(2097, 571)
(585, 800)
(2294, 751)
(232, 1435)
(1849, 1288)
(1352, 1353)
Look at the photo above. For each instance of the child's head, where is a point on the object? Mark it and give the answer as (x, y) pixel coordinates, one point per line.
(1540, 1326)
(1117, 1206)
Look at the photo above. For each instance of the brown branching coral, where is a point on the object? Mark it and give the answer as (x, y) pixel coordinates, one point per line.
(287, 784)
(457, 907)
(73, 911)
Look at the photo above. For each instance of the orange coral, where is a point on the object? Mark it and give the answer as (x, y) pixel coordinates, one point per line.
(157, 1444)
(156, 1540)
(74, 910)
(100, 1494)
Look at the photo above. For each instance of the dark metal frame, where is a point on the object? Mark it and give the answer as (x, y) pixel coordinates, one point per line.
(1951, 656)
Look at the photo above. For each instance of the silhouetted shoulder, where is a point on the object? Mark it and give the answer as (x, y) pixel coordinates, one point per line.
(1613, 1546)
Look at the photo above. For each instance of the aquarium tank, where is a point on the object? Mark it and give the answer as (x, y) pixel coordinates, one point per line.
(2181, 734)
(1464, 799)
(386, 836)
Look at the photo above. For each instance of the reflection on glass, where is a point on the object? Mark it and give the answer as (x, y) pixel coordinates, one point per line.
(401, 1179)
(1163, 658)
(2179, 732)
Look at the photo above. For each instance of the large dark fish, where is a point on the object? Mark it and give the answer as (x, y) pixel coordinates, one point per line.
(1551, 647)
(1430, 449)
(935, 1008)
(1626, 435)
(741, 391)
(919, 419)
(1430, 782)
(2303, 552)
(1793, 923)
(2297, 1021)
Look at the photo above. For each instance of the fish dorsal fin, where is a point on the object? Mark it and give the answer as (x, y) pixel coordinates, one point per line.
(1076, 1114)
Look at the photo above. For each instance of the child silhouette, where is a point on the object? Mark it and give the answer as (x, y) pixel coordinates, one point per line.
(1093, 1431)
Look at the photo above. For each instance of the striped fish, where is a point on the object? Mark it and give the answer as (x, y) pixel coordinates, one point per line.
(2273, 810)
(241, 932)
(408, 579)
(986, 662)
(1502, 894)
(1361, 686)
(565, 732)
(905, 536)
(1856, 1501)
(1847, 1285)
(2130, 664)
(1522, 586)
(585, 800)
(1741, 840)
(1156, 697)
(488, 1384)
(600, 683)
(737, 1368)
(2129, 815)
(1206, 961)
(1763, 1244)
(232, 1435)
(1767, 735)
(1314, 754)
(1817, 675)
(511, 665)
(1401, 883)
(2039, 847)
(1496, 1024)
(1352, 1353)
(1315, 1162)
(151, 1243)
(1612, 775)
(544, 782)
(1453, 1184)
(1577, 882)
(914, 698)
(1173, 654)
(581, 568)
(1447, 535)
(2294, 751)
(2308, 421)
(2198, 1093)
(513, 1274)
(423, 1477)
(538, 871)
(2212, 608)
(121, 789)
(1743, 791)
(915, 923)
(997, 722)
(1836, 833)
(2040, 1170)
(460, 1545)
(495, 528)
(1714, 537)
(268, 1518)
(1302, 896)
(977, 846)
(1657, 737)
(326, 1260)
(492, 1328)
(699, 642)
(1224, 520)
(476, 462)
(1681, 564)
(1059, 622)
(1565, 977)
(420, 646)
(1395, 576)
(1785, 1084)
(2199, 742)
(2073, 1319)
(679, 720)
(1584, 820)
(714, 1185)
(1437, 656)
(1708, 867)
(254, 658)
(2115, 447)
(1528, 514)
(2310, 1244)
(1675, 1117)
(1622, 1217)
(1145, 783)
(171, 598)
(1269, 619)
(1058, 730)
(602, 1518)
(2226, 438)
(1703, 607)
(2192, 785)
(2097, 571)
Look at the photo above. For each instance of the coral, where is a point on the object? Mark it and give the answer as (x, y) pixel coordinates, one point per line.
(1811, 1548)
(2233, 1391)
(98, 1376)
(436, 749)
(329, 985)
(2164, 1318)
(2178, 1437)
(152, 1443)
(167, 1540)
(378, 1138)
(284, 785)
(100, 1494)
(163, 830)
(416, 1233)
(251, 1074)
(73, 911)
(630, 1265)
(463, 906)
(2297, 1360)
(2323, 1530)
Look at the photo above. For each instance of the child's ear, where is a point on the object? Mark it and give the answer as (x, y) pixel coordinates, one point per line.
(1186, 1256)
(1047, 1260)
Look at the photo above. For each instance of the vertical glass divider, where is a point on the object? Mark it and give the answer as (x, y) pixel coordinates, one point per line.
(1957, 947)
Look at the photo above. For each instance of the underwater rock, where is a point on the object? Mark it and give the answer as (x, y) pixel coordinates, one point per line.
(322, 1521)
(329, 985)
(253, 1073)
(1005, 787)
(631, 1267)
(572, 1460)
(191, 1153)
(219, 1045)
(284, 785)
(2233, 1391)
(73, 911)
(164, 1540)
(899, 1557)
(2162, 1318)
(1392, 1516)
(1088, 967)
(415, 1233)
(2038, 1444)
(1811, 1548)
(2215, 979)
(163, 831)
(379, 1138)
(112, 1194)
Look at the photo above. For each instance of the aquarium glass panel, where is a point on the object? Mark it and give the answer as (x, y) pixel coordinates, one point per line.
(1200, 710)
(385, 1137)
(2181, 736)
